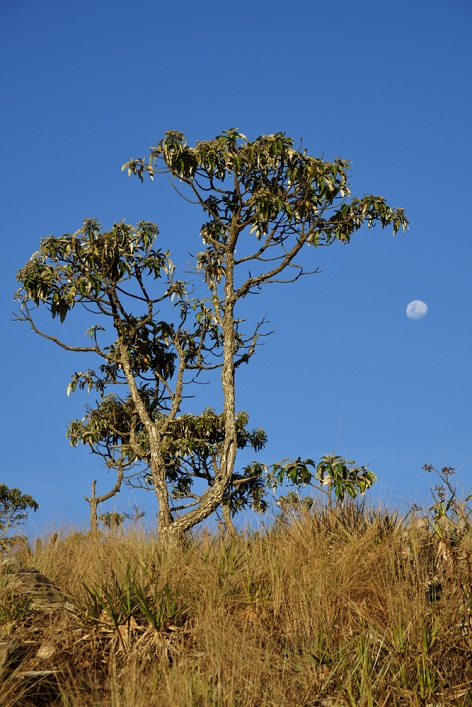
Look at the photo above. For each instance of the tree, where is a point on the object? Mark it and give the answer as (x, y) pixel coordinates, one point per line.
(338, 475)
(264, 202)
(14, 507)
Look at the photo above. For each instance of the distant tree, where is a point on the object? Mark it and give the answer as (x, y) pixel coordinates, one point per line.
(263, 203)
(112, 519)
(14, 507)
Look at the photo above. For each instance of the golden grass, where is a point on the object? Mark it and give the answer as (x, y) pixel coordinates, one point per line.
(323, 609)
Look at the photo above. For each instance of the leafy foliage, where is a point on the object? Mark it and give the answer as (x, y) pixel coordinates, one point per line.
(262, 202)
(279, 191)
(120, 607)
(14, 507)
(191, 450)
(340, 476)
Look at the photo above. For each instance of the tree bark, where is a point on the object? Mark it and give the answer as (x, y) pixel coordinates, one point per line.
(95, 500)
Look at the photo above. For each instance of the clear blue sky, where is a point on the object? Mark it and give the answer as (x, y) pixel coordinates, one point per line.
(86, 86)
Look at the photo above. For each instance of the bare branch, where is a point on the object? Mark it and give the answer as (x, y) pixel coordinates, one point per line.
(55, 340)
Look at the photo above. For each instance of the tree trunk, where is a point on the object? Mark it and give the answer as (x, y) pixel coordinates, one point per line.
(93, 509)
(94, 500)
(213, 496)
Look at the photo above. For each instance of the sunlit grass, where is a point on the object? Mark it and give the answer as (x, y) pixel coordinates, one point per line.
(327, 607)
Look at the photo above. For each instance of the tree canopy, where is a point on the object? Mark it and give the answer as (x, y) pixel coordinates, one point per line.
(14, 507)
(263, 203)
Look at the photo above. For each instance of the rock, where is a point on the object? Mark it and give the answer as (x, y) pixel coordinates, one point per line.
(29, 583)
(46, 651)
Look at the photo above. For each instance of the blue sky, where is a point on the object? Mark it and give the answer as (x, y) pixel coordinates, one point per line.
(86, 86)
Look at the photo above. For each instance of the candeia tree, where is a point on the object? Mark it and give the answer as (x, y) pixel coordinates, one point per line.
(265, 205)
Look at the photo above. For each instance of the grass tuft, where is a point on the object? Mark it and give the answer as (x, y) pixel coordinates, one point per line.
(333, 607)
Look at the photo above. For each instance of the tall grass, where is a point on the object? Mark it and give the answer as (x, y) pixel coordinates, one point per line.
(328, 607)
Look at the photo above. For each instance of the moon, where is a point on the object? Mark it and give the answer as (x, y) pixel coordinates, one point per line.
(417, 309)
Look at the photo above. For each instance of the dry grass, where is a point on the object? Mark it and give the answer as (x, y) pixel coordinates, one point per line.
(323, 609)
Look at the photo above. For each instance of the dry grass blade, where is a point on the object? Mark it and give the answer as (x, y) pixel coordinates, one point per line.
(329, 608)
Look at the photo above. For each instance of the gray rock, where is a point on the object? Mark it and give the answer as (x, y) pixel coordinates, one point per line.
(29, 583)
